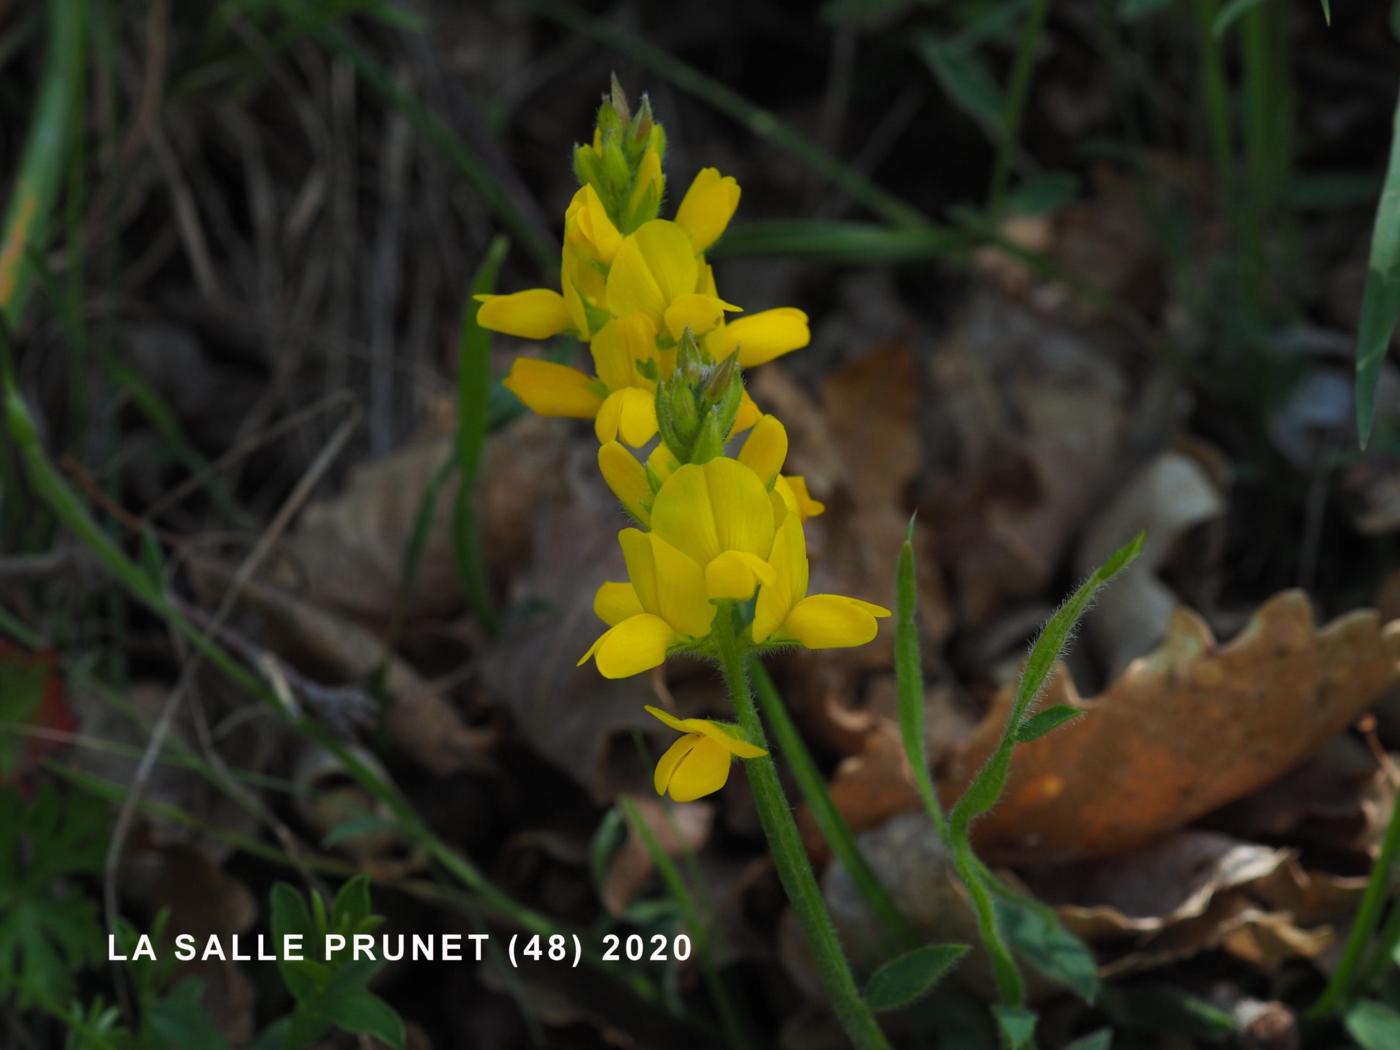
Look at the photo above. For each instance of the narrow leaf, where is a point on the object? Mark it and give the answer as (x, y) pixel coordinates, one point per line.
(366, 1014)
(909, 678)
(1046, 721)
(473, 404)
(1100, 1040)
(1232, 13)
(1380, 305)
(911, 976)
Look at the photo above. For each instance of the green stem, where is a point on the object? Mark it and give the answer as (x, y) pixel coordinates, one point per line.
(1216, 100)
(834, 829)
(789, 855)
(1372, 901)
(1008, 975)
(735, 1026)
(1016, 102)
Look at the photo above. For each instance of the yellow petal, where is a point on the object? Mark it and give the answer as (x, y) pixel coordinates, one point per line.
(708, 206)
(832, 621)
(637, 644)
(680, 590)
(789, 586)
(552, 390)
(662, 463)
(641, 566)
(648, 174)
(743, 512)
(765, 335)
(794, 491)
(627, 478)
(654, 265)
(704, 727)
(667, 763)
(616, 602)
(765, 449)
(699, 313)
(579, 279)
(736, 574)
(681, 514)
(619, 345)
(629, 413)
(748, 414)
(702, 771)
(536, 313)
(588, 228)
(706, 509)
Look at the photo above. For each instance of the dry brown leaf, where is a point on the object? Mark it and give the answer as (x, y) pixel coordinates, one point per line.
(677, 830)
(327, 646)
(1026, 424)
(1170, 495)
(1191, 726)
(572, 716)
(348, 552)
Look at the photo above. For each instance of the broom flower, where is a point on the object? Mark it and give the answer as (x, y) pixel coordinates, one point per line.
(698, 763)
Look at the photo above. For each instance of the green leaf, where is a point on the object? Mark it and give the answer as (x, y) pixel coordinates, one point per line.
(964, 76)
(1327, 11)
(22, 680)
(860, 243)
(1100, 1040)
(986, 787)
(366, 1014)
(181, 1020)
(1374, 1026)
(1047, 721)
(355, 827)
(152, 560)
(1035, 931)
(911, 976)
(612, 830)
(1017, 1025)
(351, 905)
(1043, 195)
(909, 679)
(1135, 10)
(473, 416)
(1380, 305)
(289, 916)
(1231, 13)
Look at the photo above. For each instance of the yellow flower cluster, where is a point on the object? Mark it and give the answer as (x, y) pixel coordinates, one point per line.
(719, 535)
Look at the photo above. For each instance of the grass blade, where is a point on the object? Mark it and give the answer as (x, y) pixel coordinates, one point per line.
(1380, 306)
(42, 164)
(829, 820)
(843, 242)
(473, 413)
(735, 1027)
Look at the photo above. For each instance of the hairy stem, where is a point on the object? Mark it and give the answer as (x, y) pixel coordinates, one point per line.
(789, 855)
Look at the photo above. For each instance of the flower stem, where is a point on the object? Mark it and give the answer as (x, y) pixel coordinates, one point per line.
(789, 855)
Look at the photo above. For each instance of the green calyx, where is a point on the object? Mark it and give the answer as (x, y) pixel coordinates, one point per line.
(614, 162)
(697, 406)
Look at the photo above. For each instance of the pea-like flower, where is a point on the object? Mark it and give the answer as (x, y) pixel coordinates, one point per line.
(662, 606)
(786, 613)
(698, 763)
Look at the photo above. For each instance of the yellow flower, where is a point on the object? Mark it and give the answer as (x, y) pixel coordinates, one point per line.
(663, 604)
(621, 400)
(658, 273)
(708, 206)
(587, 228)
(760, 337)
(785, 612)
(720, 515)
(698, 763)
